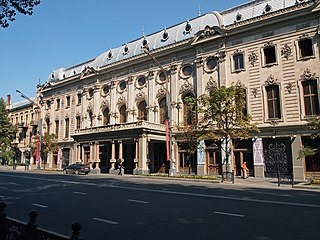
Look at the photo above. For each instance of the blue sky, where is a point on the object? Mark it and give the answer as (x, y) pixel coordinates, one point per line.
(63, 33)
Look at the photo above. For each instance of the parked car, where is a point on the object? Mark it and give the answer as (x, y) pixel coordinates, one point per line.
(77, 168)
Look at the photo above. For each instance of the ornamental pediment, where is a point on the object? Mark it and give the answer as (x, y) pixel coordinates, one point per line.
(87, 71)
(207, 34)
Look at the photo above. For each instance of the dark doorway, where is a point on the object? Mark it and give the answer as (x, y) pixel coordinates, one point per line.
(243, 153)
(105, 156)
(158, 161)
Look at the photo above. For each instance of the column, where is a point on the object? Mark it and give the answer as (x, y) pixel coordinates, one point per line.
(121, 151)
(143, 157)
(297, 164)
(91, 154)
(136, 158)
(82, 154)
(113, 159)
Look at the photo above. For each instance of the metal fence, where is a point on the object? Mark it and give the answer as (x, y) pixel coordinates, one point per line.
(12, 229)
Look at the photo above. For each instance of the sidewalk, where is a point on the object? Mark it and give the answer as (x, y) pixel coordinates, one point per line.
(248, 182)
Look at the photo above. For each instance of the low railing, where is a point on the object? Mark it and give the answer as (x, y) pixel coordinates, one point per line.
(12, 229)
(227, 176)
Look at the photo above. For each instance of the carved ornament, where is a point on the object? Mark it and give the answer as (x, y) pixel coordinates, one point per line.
(271, 80)
(286, 51)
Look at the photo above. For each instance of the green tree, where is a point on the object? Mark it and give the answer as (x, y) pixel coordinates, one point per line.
(7, 133)
(314, 126)
(222, 116)
(10, 8)
(49, 145)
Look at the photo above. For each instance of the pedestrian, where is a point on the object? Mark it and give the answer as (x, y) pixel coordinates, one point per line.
(120, 166)
(244, 170)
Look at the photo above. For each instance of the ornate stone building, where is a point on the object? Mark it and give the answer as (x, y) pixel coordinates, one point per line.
(24, 115)
(113, 107)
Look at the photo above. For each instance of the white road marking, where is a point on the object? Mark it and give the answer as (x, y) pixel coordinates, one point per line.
(295, 204)
(39, 205)
(2, 196)
(229, 214)
(105, 221)
(4, 188)
(137, 201)
(80, 193)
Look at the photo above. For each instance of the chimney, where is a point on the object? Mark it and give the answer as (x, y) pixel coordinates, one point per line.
(8, 104)
(9, 99)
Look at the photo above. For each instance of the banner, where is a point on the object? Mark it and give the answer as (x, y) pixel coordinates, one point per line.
(167, 140)
(37, 151)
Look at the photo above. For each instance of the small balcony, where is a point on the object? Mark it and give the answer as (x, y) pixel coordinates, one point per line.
(33, 123)
(21, 125)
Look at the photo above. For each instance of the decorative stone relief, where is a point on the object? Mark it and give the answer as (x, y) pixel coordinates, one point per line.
(105, 103)
(286, 51)
(207, 32)
(199, 62)
(89, 108)
(140, 97)
(211, 84)
(122, 100)
(254, 92)
(185, 88)
(253, 58)
(289, 87)
(161, 93)
(271, 80)
(307, 75)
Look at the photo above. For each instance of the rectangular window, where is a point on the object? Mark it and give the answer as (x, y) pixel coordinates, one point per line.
(273, 102)
(311, 98)
(58, 104)
(269, 55)
(57, 128)
(68, 101)
(305, 48)
(79, 96)
(238, 62)
(66, 134)
(78, 122)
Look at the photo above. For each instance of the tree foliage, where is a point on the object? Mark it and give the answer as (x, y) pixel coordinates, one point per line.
(10, 8)
(221, 115)
(314, 125)
(7, 132)
(49, 144)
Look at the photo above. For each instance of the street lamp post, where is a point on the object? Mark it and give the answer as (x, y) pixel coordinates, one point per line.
(38, 160)
(169, 111)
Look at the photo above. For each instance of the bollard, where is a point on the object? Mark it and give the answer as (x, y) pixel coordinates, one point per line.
(31, 228)
(75, 231)
(3, 224)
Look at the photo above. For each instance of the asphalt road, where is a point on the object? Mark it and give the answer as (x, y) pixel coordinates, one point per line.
(115, 207)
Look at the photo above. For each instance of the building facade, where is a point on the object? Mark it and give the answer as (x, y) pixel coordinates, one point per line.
(113, 108)
(25, 115)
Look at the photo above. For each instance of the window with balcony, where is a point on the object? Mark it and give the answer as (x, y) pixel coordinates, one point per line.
(78, 122)
(163, 110)
(142, 111)
(188, 114)
(57, 128)
(67, 123)
(79, 98)
(68, 100)
(58, 104)
(123, 114)
(106, 116)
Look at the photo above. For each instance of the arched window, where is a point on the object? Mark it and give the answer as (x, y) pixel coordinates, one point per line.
(123, 114)
(163, 110)
(90, 119)
(142, 111)
(48, 125)
(106, 116)
(188, 116)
